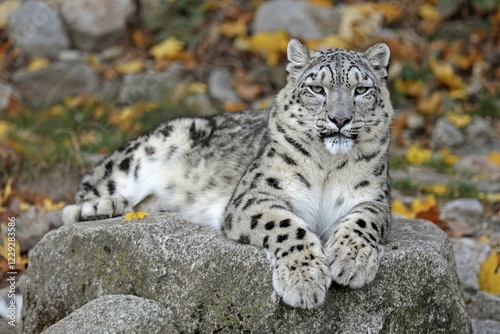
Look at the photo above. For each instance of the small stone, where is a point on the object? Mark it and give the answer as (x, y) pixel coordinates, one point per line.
(469, 254)
(71, 55)
(37, 29)
(446, 134)
(60, 79)
(485, 306)
(219, 85)
(96, 24)
(150, 85)
(464, 214)
(7, 92)
(479, 132)
(478, 165)
(299, 18)
(415, 121)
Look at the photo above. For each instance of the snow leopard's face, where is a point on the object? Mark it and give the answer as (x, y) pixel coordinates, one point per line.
(343, 92)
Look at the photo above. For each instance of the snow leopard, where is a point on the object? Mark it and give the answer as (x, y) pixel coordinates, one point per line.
(306, 180)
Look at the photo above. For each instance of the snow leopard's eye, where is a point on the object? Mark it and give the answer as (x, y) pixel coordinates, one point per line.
(318, 90)
(360, 90)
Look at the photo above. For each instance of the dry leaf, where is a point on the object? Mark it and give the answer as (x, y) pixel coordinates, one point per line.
(271, 45)
(321, 3)
(448, 158)
(429, 105)
(37, 63)
(436, 189)
(7, 191)
(414, 88)
(459, 120)
(489, 276)
(416, 155)
(234, 106)
(494, 157)
(445, 74)
(329, 42)
(135, 215)
(170, 48)
(428, 12)
(132, 66)
(234, 28)
(19, 261)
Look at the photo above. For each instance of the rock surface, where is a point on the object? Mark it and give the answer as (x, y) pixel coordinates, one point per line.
(116, 314)
(446, 134)
(37, 29)
(56, 81)
(213, 284)
(96, 24)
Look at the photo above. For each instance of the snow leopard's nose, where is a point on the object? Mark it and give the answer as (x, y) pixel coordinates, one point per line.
(340, 122)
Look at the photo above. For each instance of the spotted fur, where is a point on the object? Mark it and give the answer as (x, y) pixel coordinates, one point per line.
(307, 181)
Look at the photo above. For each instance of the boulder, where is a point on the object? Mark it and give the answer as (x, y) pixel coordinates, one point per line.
(485, 306)
(96, 24)
(37, 29)
(116, 314)
(51, 84)
(445, 134)
(211, 284)
(299, 18)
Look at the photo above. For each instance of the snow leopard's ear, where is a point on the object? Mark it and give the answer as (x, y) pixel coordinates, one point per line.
(378, 55)
(298, 57)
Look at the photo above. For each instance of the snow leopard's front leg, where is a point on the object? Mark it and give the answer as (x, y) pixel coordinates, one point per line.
(300, 272)
(354, 250)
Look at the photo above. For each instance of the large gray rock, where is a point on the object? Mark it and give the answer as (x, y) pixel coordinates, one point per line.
(211, 284)
(116, 314)
(96, 24)
(446, 134)
(56, 81)
(37, 29)
(298, 18)
(485, 306)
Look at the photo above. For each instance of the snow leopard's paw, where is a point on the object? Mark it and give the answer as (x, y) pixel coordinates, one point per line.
(302, 278)
(96, 209)
(353, 261)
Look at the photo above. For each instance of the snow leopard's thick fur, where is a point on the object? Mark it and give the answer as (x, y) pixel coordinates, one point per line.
(307, 180)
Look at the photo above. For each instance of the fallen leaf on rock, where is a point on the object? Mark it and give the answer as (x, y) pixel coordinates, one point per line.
(37, 63)
(429, 105)
(7, 191)
(436, 189)
(234, 28)
(447, 156)
(459, 120)
(50, 205)
(132, 66)
(321, 3)
(422, 207)
(489, 276)
(428, 12)
(135, 215)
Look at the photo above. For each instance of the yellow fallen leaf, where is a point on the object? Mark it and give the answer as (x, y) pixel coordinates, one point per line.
(494, 157)
(416, 155)
(197, 88)
(490, 197)
(429, 105)
(50, 205)
(391, 11)
(7, 191)
(436, 189)
(132, 66)
(5, 129)
(428, 12)
(445, 74)
(423, 204)
(9, 248)
(328, 42)
(459, 120)
(37, 63)
(93, 61)
(398, 207)
(234, 28)
(448, 158)
(135, 215)
(168, 49)
(271, 45)
(413, 88)
(489, 276)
